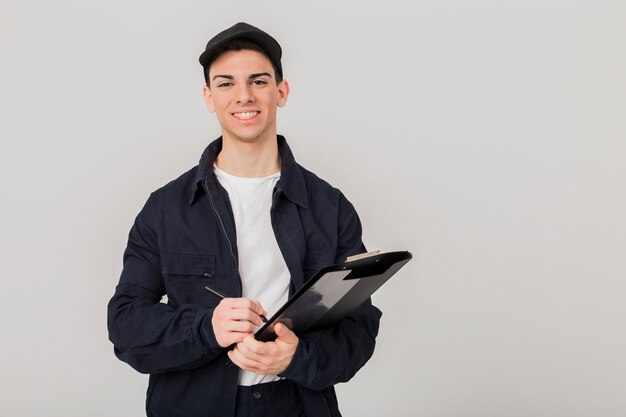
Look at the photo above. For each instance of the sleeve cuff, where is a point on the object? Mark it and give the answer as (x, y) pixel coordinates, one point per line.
(303, 366)
(203, 330)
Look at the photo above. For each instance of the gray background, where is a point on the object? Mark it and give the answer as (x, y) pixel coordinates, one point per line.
(487, 137)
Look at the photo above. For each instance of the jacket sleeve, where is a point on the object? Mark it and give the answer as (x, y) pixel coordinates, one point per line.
(150, 336)
(327, 357)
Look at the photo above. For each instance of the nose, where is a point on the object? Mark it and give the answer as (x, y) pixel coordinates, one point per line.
(244, 93)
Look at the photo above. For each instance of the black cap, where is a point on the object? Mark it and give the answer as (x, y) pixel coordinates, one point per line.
(243, 31)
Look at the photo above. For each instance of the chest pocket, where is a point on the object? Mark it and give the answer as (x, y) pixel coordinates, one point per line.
(186, 275)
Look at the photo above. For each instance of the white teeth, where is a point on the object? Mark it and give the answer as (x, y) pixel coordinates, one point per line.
(246, 115)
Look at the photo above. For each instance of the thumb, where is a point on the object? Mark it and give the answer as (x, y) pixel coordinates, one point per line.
(284, 333)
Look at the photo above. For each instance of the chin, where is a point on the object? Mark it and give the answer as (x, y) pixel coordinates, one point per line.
(248, 137)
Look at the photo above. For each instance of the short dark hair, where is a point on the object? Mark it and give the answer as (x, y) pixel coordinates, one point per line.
(240, 45)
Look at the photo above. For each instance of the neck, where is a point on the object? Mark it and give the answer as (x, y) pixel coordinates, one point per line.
(249, 159)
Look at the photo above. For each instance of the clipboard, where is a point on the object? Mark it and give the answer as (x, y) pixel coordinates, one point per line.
(333, 293)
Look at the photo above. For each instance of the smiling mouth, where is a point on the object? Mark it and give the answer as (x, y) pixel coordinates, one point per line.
(245, 115)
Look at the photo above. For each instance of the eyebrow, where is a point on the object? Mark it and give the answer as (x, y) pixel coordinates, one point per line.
(251, 76)
(260, 74)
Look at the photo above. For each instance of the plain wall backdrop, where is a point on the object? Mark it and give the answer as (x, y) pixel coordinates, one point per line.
(487, 137)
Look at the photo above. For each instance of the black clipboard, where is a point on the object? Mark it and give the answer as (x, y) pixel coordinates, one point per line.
(333, 292)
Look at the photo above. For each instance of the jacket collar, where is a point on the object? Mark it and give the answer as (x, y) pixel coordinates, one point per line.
(291, 181)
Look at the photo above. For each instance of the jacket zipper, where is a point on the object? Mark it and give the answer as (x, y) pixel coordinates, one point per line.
(219, 220)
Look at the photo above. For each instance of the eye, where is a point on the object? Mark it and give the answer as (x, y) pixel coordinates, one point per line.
(259, 82)
(225, 84)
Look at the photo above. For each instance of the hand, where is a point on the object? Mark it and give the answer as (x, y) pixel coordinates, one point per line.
(234, 319)
(266, 358)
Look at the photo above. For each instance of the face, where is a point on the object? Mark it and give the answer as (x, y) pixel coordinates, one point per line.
(244, 95)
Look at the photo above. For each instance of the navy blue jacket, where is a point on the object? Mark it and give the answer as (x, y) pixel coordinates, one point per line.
(183, 240)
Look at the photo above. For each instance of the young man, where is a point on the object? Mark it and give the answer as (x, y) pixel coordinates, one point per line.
(252, 224)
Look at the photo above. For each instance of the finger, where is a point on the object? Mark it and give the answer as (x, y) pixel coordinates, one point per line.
(235, 359)
(240, 306)
(226, 337)
(244, 314)
(231, 338)
(252, 305)
(253, 345)
(257, 308)
(262, 312)
(228, 303)
(243, 320)
(245, 352)
(284, 333)
(239, 326)
(243, 362)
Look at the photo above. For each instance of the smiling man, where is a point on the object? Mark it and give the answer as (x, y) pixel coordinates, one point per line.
(252, 225)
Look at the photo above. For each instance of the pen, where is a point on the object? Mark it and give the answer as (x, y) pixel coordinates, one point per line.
(222, 296)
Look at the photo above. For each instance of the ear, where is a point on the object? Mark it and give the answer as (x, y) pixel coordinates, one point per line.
(208, 99)
(283, 93)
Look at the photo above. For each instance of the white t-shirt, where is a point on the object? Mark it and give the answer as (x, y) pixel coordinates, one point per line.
(264, 274)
